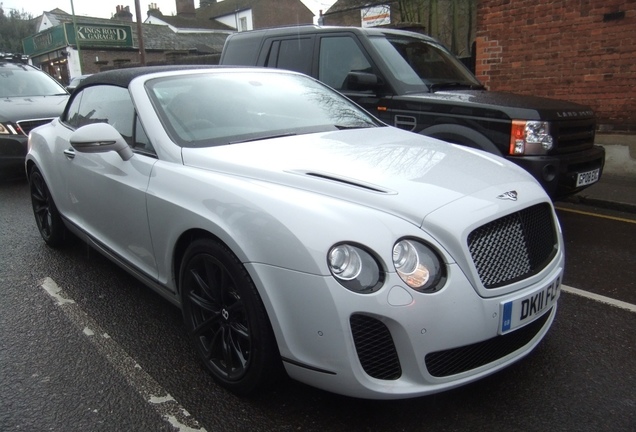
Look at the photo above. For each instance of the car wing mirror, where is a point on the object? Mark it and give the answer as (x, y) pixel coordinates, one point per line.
(361, 81)
(100, 138)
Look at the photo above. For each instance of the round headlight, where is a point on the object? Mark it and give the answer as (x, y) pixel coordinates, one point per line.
(345, 262)
(354, 268)
(418, 265)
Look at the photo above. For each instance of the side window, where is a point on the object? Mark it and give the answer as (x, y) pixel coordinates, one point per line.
(291, 54)
(103, 104)
(141, 142)
(340, 55)
(72, 114)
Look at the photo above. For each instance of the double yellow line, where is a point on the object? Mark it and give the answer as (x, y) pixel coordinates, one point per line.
(620, 219)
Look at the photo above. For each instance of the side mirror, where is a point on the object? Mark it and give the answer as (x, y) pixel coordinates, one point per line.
(361, 81)
(100, 138)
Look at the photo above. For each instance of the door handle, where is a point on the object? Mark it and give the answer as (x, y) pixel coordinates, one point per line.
(69, 153)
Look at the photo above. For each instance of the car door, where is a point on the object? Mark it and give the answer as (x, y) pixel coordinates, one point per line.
(340, 56)
(107, 195)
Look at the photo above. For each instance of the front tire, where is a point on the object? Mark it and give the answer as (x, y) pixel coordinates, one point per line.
(47, 217)
(226, 319)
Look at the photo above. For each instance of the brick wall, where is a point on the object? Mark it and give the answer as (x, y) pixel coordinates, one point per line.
(280, 13)
(109, 60)
(578, 50)
(346, 18)
(96, 60)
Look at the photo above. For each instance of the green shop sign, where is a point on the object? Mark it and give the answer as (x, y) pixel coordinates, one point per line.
(88, 35)
(100, 35)
(48, 40)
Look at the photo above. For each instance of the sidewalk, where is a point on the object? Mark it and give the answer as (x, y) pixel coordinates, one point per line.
(617, 188)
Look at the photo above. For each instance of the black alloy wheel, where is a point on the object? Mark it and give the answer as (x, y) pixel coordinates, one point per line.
(47, 217)
(226, 318)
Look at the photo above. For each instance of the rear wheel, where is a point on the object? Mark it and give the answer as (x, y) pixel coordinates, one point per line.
(47, 217)
(226, 319)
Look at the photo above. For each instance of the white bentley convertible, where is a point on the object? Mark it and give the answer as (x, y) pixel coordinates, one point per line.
(297, 233)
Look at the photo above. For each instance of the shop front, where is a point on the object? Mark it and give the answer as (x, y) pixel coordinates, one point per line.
(58, 50)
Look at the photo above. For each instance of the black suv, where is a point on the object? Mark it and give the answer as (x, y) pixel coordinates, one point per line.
(29, 98)
(411, 81)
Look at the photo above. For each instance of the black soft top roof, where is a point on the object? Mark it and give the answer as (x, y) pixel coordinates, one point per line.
(123, 77)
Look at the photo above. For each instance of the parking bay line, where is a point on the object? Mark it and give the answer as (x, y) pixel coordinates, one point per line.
(146, 386)
(599, 298)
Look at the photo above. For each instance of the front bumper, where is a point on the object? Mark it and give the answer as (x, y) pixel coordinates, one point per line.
(557, 173)
(317, 326)
(13, 150)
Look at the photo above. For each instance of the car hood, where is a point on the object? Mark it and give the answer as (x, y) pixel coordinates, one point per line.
(397, 172)
(504, 105)
(31, 107)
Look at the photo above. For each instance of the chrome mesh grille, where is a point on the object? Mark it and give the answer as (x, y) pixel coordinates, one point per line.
(513, 247)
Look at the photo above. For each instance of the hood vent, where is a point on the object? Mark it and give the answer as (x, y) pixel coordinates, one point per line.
(351, 182)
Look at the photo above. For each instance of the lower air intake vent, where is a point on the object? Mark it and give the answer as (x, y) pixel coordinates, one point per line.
(375, 348)
(462, 359)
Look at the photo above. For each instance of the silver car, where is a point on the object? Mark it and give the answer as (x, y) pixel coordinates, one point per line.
(300, 235)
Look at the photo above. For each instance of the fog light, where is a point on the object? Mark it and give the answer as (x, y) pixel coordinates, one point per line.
(549, 172)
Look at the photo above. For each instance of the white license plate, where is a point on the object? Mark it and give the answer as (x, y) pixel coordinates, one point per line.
(519, 312)
(588, 177)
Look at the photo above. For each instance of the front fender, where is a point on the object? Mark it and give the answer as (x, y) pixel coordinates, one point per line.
(262, 222)
(463, 135)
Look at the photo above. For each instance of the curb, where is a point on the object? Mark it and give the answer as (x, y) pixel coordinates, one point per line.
(597, 202)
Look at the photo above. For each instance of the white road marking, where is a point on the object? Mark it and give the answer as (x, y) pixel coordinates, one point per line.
(151, 391)
(158, 400)
(599, 298)
(54, 291)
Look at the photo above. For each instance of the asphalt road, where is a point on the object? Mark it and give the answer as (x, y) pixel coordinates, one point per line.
(84, 346)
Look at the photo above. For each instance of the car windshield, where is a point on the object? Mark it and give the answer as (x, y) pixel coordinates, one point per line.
(207, 109)
(423, 65)
(21, 81)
